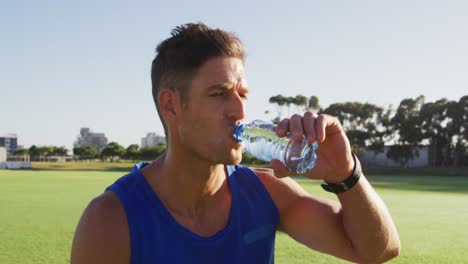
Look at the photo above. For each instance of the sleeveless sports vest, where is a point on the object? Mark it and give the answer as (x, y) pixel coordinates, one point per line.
(155, 236)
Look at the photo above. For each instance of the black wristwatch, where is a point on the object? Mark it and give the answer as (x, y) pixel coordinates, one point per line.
(347, 183)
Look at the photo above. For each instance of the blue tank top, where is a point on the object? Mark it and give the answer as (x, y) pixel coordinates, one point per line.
(155, 236)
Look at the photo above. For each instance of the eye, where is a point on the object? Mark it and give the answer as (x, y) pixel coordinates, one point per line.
(243, 96)
(218, 94)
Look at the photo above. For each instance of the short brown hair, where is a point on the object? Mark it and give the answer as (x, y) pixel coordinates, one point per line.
(179, 57)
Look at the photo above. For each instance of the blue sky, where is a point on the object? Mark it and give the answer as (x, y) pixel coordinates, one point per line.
(69, 64)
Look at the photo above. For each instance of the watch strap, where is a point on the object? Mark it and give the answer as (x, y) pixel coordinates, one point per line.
(347, 183)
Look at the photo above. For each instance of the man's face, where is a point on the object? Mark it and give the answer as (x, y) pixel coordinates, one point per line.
(215, 105)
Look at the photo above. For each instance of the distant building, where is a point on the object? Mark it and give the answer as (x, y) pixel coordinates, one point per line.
(88, 138)
(5, 163)
(373, 159)
(9, 142)
(152, 139)
(3, 154)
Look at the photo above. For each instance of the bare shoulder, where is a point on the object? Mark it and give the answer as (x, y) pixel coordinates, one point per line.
(102, 234)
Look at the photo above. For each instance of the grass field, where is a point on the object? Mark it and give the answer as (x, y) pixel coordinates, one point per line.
(39, 210)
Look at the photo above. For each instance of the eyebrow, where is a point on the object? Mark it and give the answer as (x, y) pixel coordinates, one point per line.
(226, 86)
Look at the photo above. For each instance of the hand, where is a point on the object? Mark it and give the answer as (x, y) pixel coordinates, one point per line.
(335, 161)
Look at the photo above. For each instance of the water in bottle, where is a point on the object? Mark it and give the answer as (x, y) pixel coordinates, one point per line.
(260, 140)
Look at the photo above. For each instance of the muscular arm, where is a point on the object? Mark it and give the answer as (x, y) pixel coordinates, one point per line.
(368, 224)
(102, 234)
(358, 229)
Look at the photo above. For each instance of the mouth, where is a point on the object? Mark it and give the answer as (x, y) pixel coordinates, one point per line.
(231, 129)
(237, 144)
(235, 141)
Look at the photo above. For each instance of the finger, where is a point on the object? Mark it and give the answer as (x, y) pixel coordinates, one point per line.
(320, 125)
(309, 126)
(282, 128)
(296, 127)
(279, 169)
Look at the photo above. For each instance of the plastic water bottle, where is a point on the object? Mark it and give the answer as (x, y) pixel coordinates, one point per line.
(260, 140)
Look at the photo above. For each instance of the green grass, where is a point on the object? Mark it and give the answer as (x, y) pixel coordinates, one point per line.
(431, 215)
(123, 166)
(39, 210)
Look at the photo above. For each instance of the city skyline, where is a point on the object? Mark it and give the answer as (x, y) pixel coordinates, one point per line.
(142, 143)
(67, 65)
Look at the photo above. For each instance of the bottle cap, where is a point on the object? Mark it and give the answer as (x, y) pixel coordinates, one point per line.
(238, 130)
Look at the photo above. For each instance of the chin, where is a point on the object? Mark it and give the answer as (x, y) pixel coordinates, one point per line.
(234, 162)
(233, 159)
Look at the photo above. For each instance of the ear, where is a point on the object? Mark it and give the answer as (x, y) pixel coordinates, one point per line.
(169, 101)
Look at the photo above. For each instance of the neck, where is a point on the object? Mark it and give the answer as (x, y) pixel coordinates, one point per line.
(187, 186)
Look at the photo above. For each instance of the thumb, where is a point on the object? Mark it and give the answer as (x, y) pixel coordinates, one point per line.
(279, 169)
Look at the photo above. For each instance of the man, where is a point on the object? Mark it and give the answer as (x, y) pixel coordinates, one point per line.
(191, 205)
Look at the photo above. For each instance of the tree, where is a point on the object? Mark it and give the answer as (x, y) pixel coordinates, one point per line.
(401, 153)
(150, 153)
(45, 151)
(405, 125)
(60, 151)
(22, 152)
(452, 131)
(362, 124)
(132, 152)
(34, 152)
(301, 102)
(280, 101)
(314, 103)
(462, 144)
(113, 151)
(443, 124)
(288, 101)
(86, 152)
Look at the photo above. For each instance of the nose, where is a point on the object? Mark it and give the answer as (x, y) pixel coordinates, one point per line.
(235, 109)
